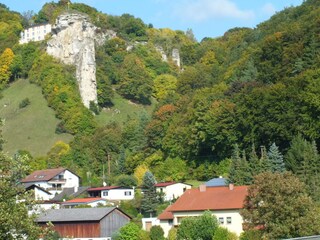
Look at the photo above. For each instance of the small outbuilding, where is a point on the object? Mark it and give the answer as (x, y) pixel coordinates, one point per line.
(85, 222)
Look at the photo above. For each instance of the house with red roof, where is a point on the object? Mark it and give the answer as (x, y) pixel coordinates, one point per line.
(224, 202)
(171, 190)
(92, 202)
(112, 193)
(52, 180)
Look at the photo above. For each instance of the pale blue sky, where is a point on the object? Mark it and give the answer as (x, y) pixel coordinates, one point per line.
(207, 18)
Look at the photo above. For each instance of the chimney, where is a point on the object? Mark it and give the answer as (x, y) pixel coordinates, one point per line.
(231, 186)
(75, 189)
(202, 188)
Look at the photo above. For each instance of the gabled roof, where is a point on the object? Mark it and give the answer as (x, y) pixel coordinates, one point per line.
(43, 175)
(69, 192)
(217, 182)
(29, 186)
(76, 214)
(107, 188)
(165, 184)
(166, 214)
(83, 200)
(212, 198)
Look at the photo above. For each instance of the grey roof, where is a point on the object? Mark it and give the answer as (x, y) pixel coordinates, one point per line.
(69, 193)
(74, 214)
(217, 182)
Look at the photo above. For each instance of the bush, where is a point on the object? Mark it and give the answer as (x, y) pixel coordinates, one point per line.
(60, 128)
(172, 235)
(224, 234)
(25, 102)
(126, 180)
(251, 235)
(156, 233)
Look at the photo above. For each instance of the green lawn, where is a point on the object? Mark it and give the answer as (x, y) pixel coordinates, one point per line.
(194, 183)
(31, 128)
(121, 110)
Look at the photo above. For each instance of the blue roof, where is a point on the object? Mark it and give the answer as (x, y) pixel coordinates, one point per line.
(217, 182)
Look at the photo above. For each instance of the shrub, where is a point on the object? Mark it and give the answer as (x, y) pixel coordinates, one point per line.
(156, 233)
(172, 235)
(224, 234)
(25, 102)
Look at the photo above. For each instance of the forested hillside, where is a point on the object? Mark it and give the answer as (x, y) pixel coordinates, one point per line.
(238, 105)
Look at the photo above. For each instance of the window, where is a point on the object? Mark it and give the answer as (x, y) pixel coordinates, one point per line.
(170, 222)
(127, 193)
(221, 220)
(229, 220)
(184, 189)
(105, 194)
(161, 189)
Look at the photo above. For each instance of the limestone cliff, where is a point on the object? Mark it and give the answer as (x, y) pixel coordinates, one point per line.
(73, 42)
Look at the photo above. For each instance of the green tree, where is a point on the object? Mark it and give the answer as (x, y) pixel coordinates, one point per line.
(156, 233)
(130, 231)
(202, 227)
(15, 222)
(135, 81)
(276, 159)
(278, 204)
(149, 199)
(163, 85)
(239, 172)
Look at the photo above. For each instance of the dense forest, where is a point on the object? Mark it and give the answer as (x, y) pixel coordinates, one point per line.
(240, 104)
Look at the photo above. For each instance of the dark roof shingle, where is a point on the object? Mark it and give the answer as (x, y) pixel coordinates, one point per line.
(74, 214)
(43, 175)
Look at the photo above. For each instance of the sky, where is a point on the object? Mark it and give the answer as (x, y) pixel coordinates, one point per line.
(206, 18)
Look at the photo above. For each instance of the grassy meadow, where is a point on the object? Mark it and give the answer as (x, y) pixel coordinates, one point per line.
(32, 127)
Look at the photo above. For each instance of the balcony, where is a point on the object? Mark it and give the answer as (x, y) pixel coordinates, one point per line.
(57, 181)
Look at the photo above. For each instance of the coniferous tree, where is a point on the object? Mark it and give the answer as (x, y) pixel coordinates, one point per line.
(239, 173)
(264, 161)
(275, 159)
(149, 200)
(254, 162)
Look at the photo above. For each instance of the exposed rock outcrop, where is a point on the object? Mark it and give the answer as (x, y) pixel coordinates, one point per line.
(73, 42)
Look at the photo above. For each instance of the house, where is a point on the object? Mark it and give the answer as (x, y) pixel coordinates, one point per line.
(217, 182)
(224, 202)
(35, 33)
(40, 194)
(84, 222)
(92, 202)
(112, 193)
(53, 180)
(171, 190)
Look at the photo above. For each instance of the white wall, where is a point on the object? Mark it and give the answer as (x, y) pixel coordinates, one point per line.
(235, 225)
(118, 194)
(173, 191)
(72, 180)
(36, 33)
(41, 195)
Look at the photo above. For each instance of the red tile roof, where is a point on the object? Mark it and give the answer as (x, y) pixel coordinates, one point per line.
(164, 184)
(83, 200)
(213, 198)
(43, 175)
(103, 188)
(166, 214)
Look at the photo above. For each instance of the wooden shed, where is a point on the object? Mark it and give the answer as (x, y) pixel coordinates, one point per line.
(85, 222)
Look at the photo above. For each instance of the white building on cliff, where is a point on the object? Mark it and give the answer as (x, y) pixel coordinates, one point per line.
(35, 33)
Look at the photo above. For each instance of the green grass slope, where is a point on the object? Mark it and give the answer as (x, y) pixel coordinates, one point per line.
(123, 109)
(31, 128)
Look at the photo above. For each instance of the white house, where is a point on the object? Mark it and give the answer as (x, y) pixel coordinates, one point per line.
(92, 202)
(35, 33)
(53, 180)
(172, 190)
(40, 194)
(224, 202)
(113, 193)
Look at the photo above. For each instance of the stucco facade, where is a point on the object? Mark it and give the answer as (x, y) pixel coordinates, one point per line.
(35, 33)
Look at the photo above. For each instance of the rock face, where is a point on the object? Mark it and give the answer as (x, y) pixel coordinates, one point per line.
(73, 42)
